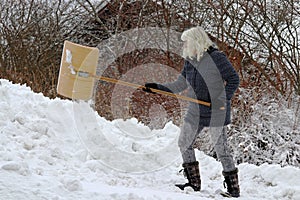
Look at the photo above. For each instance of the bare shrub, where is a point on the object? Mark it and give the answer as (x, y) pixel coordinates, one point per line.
(32, 35)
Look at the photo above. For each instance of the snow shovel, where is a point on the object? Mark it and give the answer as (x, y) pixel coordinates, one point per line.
(76, 58)
(77, 74)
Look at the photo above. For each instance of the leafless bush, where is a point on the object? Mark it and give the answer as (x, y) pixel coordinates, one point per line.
(32, 34)
(267, 33)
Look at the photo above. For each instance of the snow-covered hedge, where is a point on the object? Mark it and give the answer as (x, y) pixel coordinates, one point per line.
(269, 132)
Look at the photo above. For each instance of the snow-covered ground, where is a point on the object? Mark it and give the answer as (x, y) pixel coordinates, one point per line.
(59, 149)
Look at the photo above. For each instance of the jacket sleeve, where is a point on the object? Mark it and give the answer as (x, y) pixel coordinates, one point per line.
(179, 85)
(229, 75)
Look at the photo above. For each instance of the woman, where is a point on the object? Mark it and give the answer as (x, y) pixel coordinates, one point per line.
(209, 76)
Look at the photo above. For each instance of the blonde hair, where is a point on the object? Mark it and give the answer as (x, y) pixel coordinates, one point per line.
(197, 42)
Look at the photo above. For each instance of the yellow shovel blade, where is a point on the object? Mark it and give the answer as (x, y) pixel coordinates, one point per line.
(76, 58)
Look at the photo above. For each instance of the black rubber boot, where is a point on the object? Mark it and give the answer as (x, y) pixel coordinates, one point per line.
(192, 173)
(232, 182)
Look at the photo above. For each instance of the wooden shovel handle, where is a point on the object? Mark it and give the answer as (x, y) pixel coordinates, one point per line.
(133, 85)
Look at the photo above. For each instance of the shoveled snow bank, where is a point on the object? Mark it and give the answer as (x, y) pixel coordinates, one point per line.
(59, 149)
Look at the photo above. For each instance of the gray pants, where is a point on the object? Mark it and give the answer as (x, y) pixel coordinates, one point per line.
(218, 138)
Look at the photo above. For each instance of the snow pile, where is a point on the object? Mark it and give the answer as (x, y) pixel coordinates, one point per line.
(59, 149)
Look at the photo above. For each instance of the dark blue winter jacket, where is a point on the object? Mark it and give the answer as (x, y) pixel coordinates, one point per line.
(212, 79)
